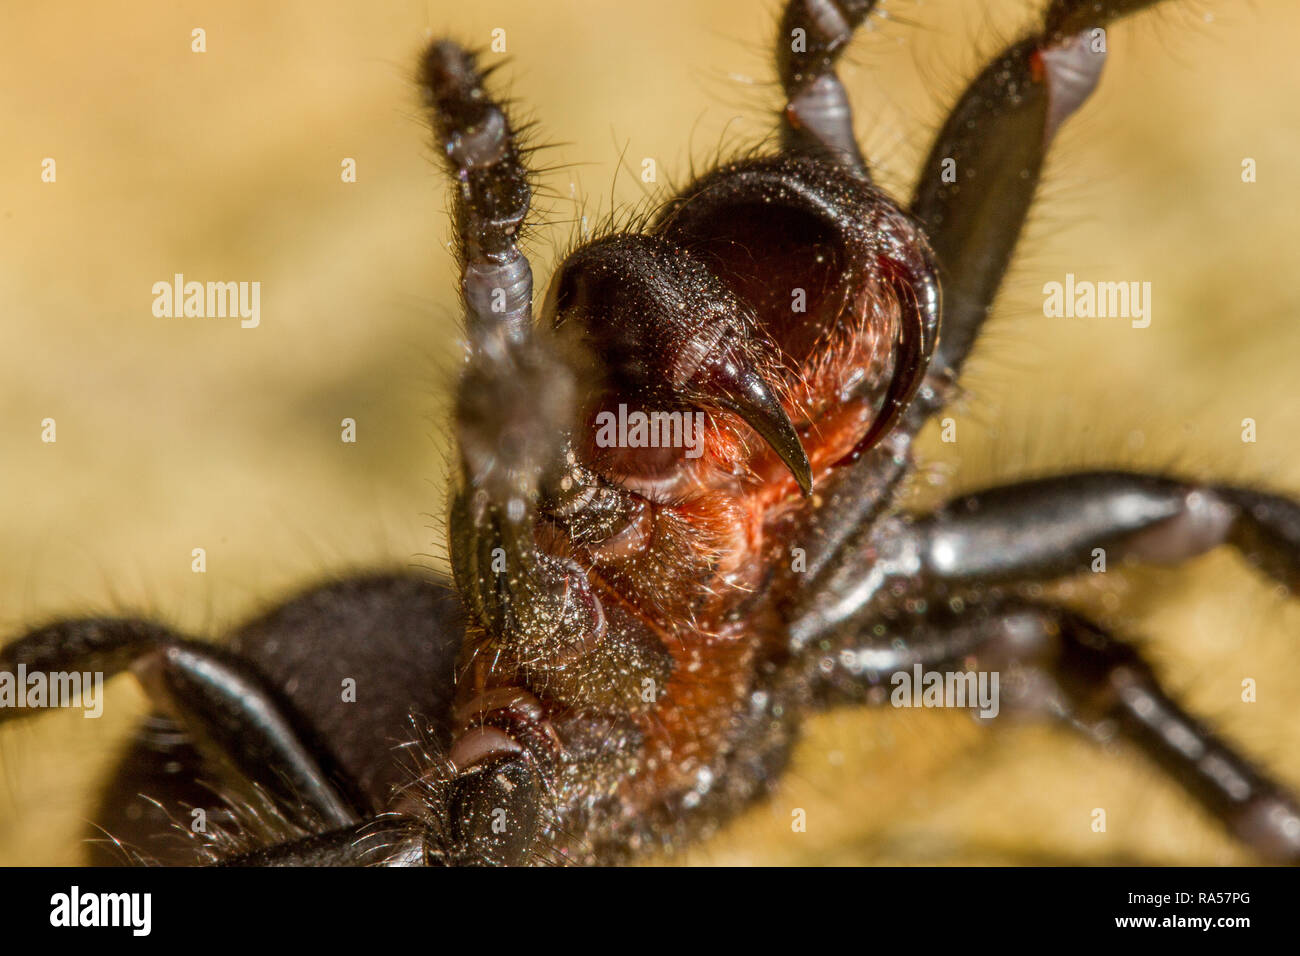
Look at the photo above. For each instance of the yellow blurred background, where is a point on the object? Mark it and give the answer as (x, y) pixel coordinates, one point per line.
(225, 165)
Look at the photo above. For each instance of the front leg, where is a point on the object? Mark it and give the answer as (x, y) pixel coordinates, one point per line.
(526, 774)
(979, 180)
(236, 717)
(1070, 669)
(817, 116)
(1048, 528)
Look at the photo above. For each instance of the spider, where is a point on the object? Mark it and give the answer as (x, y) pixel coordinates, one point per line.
(633, 634)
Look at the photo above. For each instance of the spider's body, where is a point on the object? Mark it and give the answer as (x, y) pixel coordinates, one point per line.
(638, 631)
(698, 565)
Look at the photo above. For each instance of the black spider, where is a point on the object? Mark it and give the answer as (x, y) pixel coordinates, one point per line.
(635, 631)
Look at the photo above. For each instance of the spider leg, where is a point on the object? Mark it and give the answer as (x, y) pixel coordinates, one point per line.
(221, 701)
(537, 614)
(971, 199)
(387, 841)
(1050, 527)
(1070, 669)
(978, 182)
(817, 117)
(492, 194)
(366, 662)
(515, 400)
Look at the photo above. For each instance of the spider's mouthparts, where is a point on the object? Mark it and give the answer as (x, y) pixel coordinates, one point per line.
(740, 389)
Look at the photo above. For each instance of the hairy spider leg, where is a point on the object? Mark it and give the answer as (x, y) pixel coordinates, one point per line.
(1068, 668)
(226, 707)
(275, 704)
(973, 196)
(817, 117)
(537, 615)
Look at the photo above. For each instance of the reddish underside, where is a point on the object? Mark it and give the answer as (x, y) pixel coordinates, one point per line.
(715, 661)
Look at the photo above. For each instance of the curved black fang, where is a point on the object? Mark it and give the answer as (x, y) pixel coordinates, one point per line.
(745, 392)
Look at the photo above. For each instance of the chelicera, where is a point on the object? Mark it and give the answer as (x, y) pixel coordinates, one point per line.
(633, 632)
